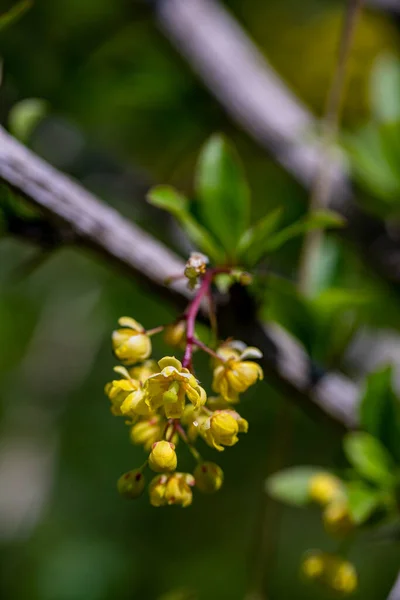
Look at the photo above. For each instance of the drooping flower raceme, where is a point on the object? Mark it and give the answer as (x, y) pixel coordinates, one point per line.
(164, 403)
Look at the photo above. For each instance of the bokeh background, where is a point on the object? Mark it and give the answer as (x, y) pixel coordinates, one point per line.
(124, 111)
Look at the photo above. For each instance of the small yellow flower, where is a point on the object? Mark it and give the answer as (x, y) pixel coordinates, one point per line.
(209, 477)
(175, 334)
(171, 489)
(234, 374)
(171, 386)
(127, 396)
(163, 457)
(324, 488)
(178, 489)
(331, 571)
(222, 427)
(131, 484)
(119, 389)
(313, 565)
(157, 487)
(337, 519)
(344, 578)
(131, 344)
(147, 431)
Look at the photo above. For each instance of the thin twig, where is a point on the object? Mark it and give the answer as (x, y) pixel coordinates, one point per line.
(323, 186)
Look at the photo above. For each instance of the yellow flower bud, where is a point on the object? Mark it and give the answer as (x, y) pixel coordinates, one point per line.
(163, 457)
(131, 344)
(178, 489)
(344, 578)
(175, 334)
(131, 484)
(313, 565)
(209, 477)
(146, 432)
(324, 487)
(337, 519)
(157, 487)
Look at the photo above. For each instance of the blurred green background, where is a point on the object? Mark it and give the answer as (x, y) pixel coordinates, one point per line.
(125, 111)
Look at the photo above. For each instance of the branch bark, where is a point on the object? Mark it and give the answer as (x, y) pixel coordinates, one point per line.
(252, 93)
(100, 227)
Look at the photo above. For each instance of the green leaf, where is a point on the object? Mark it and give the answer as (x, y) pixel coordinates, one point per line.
(369, 458)
(363, 501)
(291, 485)
(380, 410)
(371, 168)
(223, 193)
(169, 199)
(16, 12)
(385, 88)
(320, 219)
(252, 243)
(25, 116)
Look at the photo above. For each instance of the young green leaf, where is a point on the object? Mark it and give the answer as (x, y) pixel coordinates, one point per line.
(12, 15)
(223, 193)
(369, 458)
(363, 501)
(25, 116)
(291, 485)
(252, 243)
(320, 219)
(380, 410)
(169, 199)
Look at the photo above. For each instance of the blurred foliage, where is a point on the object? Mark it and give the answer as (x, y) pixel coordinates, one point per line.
(124, 112)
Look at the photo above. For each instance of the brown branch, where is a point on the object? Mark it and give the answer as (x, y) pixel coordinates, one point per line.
(103, 229)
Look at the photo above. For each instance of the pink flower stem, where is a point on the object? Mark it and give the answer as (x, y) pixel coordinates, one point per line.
(192, 311)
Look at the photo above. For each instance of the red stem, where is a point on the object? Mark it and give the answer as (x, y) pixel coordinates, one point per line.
(192, 312)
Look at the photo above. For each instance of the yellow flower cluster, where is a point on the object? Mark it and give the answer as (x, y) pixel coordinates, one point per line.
(331, 571)
(163, 403)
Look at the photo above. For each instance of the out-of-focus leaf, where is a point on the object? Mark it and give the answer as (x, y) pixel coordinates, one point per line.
(385, 88)
(319, 219)
(363, 501)
(380, 410)
(371, 168)
(369, 458)
(25, 116)
(223, 193)
(336, 299)
(252, 243)
(169, 199)
(291, 485)
(11, 16)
